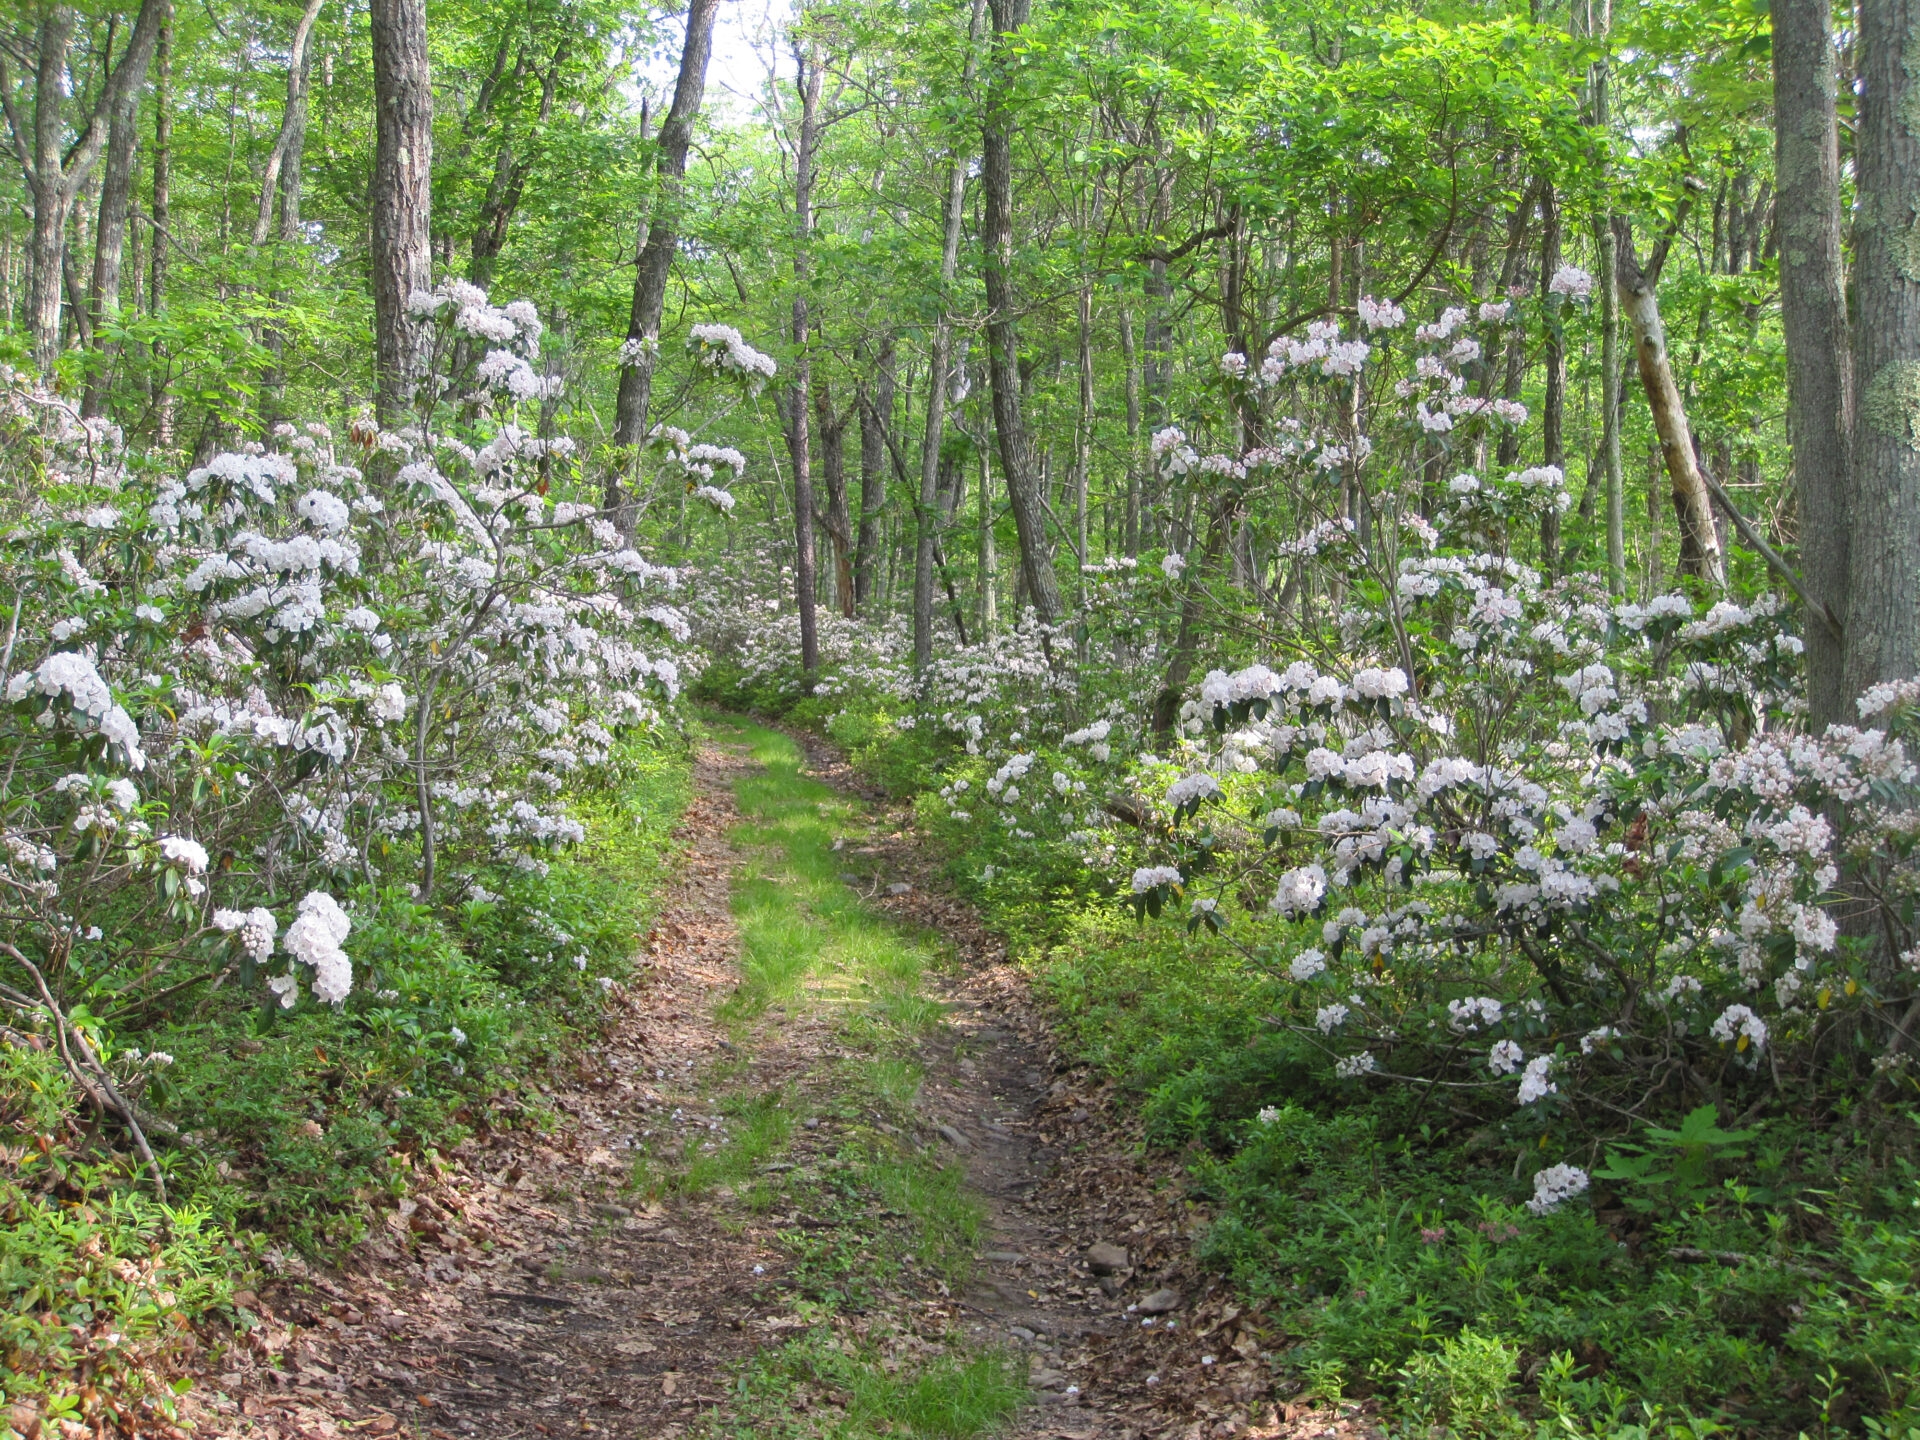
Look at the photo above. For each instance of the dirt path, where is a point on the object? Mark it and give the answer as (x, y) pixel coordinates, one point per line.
(743, 1226)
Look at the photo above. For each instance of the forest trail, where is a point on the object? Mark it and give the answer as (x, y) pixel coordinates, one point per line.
(821, 1175)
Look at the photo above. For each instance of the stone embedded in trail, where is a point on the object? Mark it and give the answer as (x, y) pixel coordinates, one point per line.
(899, 887)
(1003, 1257)
(1104, 1257)
(1161, 1302)
(953, 1137)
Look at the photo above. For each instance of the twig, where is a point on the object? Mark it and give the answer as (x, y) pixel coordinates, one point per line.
(101, 1083)
(1775, 560)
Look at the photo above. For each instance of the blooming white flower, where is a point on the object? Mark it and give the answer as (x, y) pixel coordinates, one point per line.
(1505, 1057)
(1351, 1067)
(1331, 1017)
(1149, 876)
(315, 938)
(1307, 964)
(1555, 1185)
(1738, 1025)
(1300, 891)
(1535, 1084)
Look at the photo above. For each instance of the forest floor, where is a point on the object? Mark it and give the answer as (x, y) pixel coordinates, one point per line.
(822, 1174)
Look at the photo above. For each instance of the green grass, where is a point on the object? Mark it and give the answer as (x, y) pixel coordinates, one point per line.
(895, 1215)
(816, 1388)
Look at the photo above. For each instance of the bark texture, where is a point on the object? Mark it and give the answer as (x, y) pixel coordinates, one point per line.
(876, 414)
(55, 171)
(402, 198)
(1883, 560)
(799, 398)
(1699, 539)
(939, 355)
(1813, 310)
(660, 234)
(1003, 344)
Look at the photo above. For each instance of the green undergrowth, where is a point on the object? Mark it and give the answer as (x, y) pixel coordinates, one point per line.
(297, 1127)
(1760, 1285)
(882, 1215)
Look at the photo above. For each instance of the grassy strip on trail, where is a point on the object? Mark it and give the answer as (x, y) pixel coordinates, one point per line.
(885, 1218)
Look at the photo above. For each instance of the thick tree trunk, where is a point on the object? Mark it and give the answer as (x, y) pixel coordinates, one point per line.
(402, 199)
(1003, 345)
(1883, 560)
(1813, 311)
(799, 398)
(660, 237)
(1699, 539)
(876, 414)
(925, 519)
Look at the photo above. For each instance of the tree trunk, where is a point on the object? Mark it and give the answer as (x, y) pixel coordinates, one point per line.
(116, 194)
(1883, 559)
(293, 126)
(402, 199)
(1083, 438)
(925, 535)
(1813, 312)
(660, 238)
(1699, 540)
(1554, 402)
(158, 394)
(799, 426)
(836, 519)
(509, 183)
(54, 170)
(1003, 345)
(1130, 533)
(876, 414)
(988, 561)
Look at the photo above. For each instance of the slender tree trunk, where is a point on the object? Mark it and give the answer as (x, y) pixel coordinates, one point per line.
(47, 185)
(1699, 539)
(1083, 438)
(836, 518)
(159, 395)
(1130, 534)
(925, 535)
(660, 238)
(876, 414)
(293, 125)
(116, 194)
(509, 183)
(281, 177)
(799, 426)
(1883, 558)
(1024, 491)
(1813, 311)
(988, 560)
(1554, 402)
(402, 199)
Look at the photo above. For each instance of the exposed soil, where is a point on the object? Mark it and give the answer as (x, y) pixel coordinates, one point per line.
(518, 1294)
